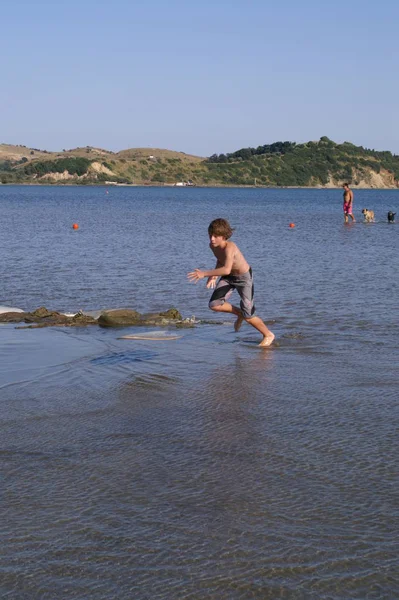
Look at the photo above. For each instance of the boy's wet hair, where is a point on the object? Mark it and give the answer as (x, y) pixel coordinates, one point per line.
(220, 227)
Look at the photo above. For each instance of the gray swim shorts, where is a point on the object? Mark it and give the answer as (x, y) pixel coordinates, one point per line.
(244, 284)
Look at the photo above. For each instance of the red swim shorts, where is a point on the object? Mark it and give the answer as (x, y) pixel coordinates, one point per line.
(347, 208)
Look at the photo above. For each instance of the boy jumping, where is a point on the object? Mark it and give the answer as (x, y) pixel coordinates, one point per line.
(235, 274)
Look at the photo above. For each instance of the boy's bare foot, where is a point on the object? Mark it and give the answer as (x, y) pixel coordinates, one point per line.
(267, 340)
(238, 323)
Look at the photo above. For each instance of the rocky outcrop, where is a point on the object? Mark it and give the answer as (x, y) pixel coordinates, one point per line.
(64, 176)
(42, 317)
(100, 168)
(369, 179)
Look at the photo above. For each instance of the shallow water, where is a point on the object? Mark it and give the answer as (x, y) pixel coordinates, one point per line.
(200, 467)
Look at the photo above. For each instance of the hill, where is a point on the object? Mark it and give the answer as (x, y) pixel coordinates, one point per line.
(322, 163)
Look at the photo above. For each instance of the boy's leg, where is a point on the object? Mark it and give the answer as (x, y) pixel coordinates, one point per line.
(256, 322)
(234, 310)
(228, 308)
(268, 336)
(218, 301)
(238, 321)
(245, 287)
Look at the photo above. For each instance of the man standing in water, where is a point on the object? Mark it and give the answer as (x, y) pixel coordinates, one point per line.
(348, 203)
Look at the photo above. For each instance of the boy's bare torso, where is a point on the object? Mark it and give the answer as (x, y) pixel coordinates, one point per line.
(240, 265)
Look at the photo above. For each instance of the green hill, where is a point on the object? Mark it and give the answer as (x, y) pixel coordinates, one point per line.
(280, 164)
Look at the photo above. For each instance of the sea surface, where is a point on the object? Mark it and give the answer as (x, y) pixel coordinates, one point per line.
(202, 467)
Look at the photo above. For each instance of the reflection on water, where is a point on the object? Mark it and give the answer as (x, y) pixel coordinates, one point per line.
(206, 467)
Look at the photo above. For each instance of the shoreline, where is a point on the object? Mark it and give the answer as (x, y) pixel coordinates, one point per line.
(202, 186)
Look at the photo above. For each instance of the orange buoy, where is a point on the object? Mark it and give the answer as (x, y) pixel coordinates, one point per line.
(292, 225)
(75, 226)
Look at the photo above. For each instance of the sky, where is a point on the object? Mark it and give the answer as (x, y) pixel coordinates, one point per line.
(198, 77)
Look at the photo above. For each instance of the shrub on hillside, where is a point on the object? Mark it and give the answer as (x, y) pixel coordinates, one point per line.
(74, 165)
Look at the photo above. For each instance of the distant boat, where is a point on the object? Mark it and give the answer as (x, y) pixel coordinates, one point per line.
(184, 184)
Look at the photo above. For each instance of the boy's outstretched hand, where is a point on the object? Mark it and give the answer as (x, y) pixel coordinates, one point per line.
(195, 275)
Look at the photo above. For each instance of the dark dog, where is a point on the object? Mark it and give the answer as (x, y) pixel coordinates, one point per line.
(391, 217)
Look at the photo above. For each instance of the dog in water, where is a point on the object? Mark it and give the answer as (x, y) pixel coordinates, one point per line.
(391, 217)
(368, 215)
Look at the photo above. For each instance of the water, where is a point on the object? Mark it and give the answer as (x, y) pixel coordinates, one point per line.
(201, 467)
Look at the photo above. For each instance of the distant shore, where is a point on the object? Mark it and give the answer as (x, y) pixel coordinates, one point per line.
(322, 164)
(215, 185)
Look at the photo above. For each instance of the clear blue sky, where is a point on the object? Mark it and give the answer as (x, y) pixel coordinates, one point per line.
(199, 77)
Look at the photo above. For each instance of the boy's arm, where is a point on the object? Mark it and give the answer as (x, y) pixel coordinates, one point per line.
(224, 269)
(211, 283)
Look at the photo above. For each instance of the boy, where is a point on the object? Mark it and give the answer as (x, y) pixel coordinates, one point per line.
(235, 274)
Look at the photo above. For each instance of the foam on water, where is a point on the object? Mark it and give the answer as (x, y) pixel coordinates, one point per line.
(6, 309)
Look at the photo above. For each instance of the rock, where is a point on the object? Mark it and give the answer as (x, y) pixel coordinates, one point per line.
(126, 318)
(172, 313)
(41, 317)
(122, 317)
(42, 313)
(79, 320)
(12, 317)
